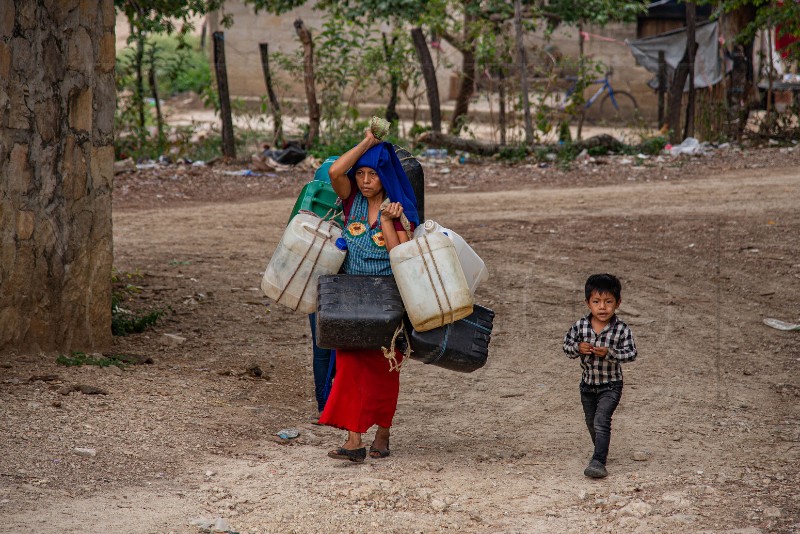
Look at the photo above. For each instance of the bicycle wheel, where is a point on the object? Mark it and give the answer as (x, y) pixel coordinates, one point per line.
(626, 111)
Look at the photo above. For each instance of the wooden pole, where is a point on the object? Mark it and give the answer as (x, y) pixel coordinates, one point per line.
(228, 145)
(429, 75)
(523, 72)
(310, 81)
(691, 45)
(662, 86)
(277, 119)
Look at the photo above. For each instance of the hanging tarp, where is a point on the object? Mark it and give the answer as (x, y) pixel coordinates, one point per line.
(707, 66)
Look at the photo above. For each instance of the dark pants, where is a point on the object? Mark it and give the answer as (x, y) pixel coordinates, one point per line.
(599, 403)
(322, 366)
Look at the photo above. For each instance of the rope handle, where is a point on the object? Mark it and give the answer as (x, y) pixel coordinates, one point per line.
(300, 263)
(403, 219)
(389, 353)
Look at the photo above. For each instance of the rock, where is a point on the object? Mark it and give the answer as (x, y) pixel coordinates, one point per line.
(438, 505)
(125, 165)
(172, 340)
(638, 509)
(772, 511)
(80, 451)
(210, 473)
(641, 456)
(629, 523)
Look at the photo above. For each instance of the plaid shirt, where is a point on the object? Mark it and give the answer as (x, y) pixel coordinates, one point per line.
(616, 336)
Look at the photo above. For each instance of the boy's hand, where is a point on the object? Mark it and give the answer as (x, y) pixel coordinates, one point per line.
(585, 348)
(600, 352)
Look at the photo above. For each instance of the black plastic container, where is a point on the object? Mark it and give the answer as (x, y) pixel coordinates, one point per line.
(462, 346)
(357, 312)
(415, 175)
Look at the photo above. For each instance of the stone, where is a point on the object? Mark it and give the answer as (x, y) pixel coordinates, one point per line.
(172, 340)
(80, 451)
(641, 456)
(772, 511)
(638, 509)
(438, 505)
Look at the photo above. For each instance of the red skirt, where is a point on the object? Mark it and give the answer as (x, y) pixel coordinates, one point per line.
(364, 391)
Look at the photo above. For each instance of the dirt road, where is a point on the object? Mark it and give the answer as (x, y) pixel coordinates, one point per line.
(707, 438)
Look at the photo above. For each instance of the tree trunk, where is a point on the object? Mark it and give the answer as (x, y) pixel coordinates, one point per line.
(691, 45)
(310, 81)
(394, 81)
(56, 172)
(466, 87)
(429, 75)
(676, 97)
(501, 114)
(523, 72)
(151, 79)
(277, 119)
(221, 70)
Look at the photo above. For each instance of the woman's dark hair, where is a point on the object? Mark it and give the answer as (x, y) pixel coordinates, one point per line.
(603, 283)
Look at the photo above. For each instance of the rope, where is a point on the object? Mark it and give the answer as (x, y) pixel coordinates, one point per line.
(300, 263)
(428, 271)
(390, 353)
(441, 282)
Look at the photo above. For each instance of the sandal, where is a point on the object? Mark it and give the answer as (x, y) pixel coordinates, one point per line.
(354, 455)
(377, 453)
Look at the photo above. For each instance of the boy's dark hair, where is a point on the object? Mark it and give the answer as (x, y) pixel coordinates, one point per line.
(603, 283)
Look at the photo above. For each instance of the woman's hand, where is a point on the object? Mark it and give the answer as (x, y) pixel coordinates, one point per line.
(393, 211)
(370, 139)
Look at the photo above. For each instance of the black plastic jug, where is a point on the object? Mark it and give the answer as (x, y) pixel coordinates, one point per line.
(357, 311)
(461, 346)
(415, 175)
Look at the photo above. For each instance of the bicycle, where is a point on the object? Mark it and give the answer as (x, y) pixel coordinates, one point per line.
(623, 107)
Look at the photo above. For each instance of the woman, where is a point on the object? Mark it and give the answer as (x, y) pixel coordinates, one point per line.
(366, 387)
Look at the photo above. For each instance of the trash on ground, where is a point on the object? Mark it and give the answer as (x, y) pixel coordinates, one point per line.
(781, 325)
(288, 433)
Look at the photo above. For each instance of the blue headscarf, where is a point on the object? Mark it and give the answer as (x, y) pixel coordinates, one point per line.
(395, 183)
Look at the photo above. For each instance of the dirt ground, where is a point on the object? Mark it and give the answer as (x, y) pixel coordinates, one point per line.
(707, 438)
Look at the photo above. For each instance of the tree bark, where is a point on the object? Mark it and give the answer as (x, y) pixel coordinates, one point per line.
(151, 78)
(691, 45)
(394, 81)
(467, 77)
(523, 72)
(676, 97)
(56, 174)
(501, 114)
(277, 119)
(228, 142)
(310, 81)
(429, 75)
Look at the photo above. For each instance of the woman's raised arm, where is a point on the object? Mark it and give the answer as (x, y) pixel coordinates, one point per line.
(338, 169)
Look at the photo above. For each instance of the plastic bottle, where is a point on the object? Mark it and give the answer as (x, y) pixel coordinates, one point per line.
(473, 266)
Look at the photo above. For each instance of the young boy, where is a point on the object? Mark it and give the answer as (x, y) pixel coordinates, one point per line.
(602, 341)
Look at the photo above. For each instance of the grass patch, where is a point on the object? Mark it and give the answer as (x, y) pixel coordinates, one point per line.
(77, 359)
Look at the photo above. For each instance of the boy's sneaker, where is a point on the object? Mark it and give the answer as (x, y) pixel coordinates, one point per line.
(595, 470)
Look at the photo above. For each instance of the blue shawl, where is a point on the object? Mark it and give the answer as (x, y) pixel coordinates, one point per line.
(395, 183)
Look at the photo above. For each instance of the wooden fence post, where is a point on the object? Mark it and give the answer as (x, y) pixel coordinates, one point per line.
(228, 145)
(429, 75)
(662, 86)
(277, 140)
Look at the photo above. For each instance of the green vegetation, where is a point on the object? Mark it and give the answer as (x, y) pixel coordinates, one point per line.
(123, 321)
(77, 359)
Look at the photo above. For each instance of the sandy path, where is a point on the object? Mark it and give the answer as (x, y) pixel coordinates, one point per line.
(707, 438)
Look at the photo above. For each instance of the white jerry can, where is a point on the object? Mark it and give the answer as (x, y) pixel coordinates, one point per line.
(431, 281)
(306, 251)
(474, 268)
